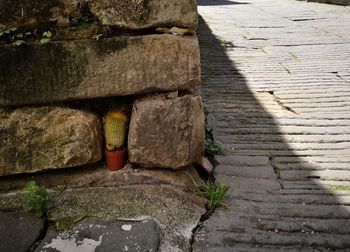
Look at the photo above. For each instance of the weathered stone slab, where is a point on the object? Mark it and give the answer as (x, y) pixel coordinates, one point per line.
(126, 14)
(167, 132)
(88, 68)
(159, 202)
(142, 14)
(19, 231)
(95, 234)
(34, 139)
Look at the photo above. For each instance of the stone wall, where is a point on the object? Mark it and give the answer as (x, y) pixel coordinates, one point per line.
(97, 49)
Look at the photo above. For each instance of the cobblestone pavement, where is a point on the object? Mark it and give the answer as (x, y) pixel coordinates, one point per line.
(276, 86)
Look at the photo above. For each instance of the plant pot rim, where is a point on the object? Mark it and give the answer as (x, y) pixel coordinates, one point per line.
(116, 159)
(122, 150)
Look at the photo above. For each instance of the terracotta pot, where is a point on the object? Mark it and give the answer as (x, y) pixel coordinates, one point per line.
(116, 159)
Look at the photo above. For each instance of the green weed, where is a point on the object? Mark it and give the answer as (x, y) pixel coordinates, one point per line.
(213, 193)
(46, 37)
(213, 148)
(36, 198)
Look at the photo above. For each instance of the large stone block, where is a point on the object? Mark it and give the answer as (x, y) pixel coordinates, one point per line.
(87, 68)
(125, 14)
(167, 132)
(142, 14)
(34, 139)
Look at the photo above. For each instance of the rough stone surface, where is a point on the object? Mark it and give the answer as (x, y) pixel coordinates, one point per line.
(33, 139)
(19, 231)
(205, 164)
(165, 195)
(166, 132)
(129, 14)
(99, 175)
(174, 213)
(146, 13)
(95, 234)
(88, 68)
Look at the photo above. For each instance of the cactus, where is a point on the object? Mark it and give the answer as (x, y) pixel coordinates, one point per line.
(115, 126)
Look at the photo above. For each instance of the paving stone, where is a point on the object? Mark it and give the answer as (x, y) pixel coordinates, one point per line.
(266, 172)
(19, 231)
(248, 183)
(276, 90)
(95, 234)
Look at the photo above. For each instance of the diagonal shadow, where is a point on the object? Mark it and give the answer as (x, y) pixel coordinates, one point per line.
(276, 200)
(219, 2)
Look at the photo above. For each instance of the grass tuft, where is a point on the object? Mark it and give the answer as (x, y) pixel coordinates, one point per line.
(213, 193)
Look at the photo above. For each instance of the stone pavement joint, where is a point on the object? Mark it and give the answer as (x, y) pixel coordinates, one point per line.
(276, 90)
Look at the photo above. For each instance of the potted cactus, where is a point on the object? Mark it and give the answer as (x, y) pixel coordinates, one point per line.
(115, 127)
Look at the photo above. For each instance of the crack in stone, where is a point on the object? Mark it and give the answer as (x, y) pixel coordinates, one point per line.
(276, 99)
(276, 171)
(337, 74)
(41, 236)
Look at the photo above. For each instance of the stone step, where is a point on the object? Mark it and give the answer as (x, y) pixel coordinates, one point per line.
(314, 184)
(228, 120)
(286, 224)
(250, 236)
(290, 153)
(309, 199)
(295, 210)
(285, 129)
(288, 146)
(338, 175)
(311, 166)
(277, 138)
(313, 160)
(264, 172)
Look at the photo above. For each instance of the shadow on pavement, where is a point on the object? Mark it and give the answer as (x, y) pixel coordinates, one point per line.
(219, 2)
(276, 200)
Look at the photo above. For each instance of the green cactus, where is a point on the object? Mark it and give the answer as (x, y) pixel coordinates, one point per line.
(115, 126)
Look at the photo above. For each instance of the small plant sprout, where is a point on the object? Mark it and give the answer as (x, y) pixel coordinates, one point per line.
(4, 32)
(213, 193)
(46, 37)
(37, 198)
(18, 42)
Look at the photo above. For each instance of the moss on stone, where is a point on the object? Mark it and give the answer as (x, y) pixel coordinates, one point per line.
(46, 70)
(67, 222)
